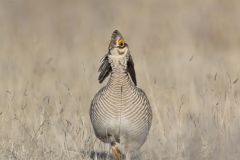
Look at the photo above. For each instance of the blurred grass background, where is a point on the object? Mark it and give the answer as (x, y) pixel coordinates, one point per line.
(187, 60)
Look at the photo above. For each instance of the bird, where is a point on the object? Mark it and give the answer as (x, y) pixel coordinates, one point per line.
(120, 112)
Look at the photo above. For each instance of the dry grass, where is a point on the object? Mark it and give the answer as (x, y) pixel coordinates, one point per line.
(186, 57)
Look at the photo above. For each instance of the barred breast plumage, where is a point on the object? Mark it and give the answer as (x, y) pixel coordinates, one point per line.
(120, 112)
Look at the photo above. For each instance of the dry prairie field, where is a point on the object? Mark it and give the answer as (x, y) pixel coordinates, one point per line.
(187, 60)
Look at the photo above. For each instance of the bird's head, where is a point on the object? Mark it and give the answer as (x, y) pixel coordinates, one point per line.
(117, 58)
(118, 54)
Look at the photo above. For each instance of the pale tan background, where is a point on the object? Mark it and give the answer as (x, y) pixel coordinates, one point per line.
(187, 60)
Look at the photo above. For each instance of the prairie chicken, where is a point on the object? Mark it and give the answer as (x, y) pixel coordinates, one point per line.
(120, 112)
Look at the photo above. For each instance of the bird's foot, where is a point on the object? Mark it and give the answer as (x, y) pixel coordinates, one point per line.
(116, 152)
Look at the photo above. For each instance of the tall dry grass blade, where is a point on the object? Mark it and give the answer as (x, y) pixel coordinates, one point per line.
(154, 105)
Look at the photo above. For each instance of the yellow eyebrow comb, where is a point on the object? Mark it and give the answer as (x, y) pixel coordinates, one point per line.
(120, 42)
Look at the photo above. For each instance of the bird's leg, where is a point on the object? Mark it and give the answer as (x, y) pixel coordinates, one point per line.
(116, 152)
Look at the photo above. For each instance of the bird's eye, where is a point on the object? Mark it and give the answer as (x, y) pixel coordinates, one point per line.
(121, 43)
